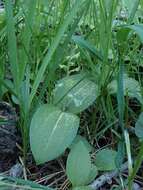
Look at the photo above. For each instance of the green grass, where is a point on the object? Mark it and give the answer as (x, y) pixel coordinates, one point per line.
(44, 41)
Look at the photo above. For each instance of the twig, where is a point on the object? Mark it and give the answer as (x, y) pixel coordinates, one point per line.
(24, 169)
(100, 181)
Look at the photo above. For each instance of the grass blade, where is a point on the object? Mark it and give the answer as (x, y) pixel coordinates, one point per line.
(133, 11)
(120, 96)
(27, 34)
(88, 46)
(137, 165)
(12, 46)
(54, 45)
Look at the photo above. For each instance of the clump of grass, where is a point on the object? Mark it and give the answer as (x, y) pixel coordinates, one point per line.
(43, 42)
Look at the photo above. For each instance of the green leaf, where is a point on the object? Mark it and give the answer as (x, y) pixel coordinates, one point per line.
(12, 43)
(7, 183)
(131, 88)
(51, 132)
(78, 165)
(27, 34)
(88, 46)
(93, 174)
(128, 4)
(75, 93)
(55, 43)
(122, 35)
(108, 6)
(105, 160)
(139, 126)
(138, 29)
(120, 153)
(83, 139)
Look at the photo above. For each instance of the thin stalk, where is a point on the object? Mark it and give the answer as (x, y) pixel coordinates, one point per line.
(128, 149)
(137, 165)
(120, 95)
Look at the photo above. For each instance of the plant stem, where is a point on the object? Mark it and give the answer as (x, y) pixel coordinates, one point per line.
(138, 162)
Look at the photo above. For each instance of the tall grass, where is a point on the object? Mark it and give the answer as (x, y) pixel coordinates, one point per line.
(41, 35)
(20, 56)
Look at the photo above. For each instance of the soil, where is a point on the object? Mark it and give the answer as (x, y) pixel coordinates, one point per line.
(52, 173)
(9, 136)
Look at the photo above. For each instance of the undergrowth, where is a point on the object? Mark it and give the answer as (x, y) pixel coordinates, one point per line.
(73, 71)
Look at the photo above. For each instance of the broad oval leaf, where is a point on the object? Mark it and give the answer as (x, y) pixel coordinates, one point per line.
(51, 132)
(75, 93)
(78, 166)
(139, 126)
(131, 88)
(93, 174)
(105, 160)
(85, 142)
